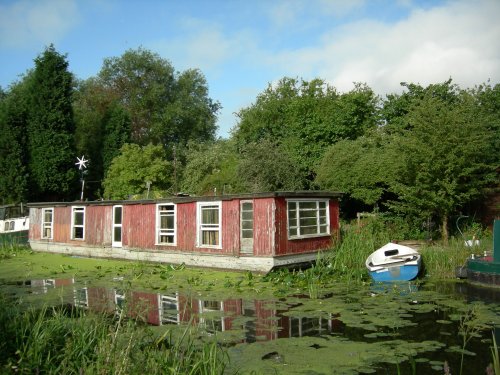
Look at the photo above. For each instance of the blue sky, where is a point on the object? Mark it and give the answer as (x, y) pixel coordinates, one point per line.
(241, 46)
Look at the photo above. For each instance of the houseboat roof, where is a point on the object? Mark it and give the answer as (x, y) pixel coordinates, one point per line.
(182, 198)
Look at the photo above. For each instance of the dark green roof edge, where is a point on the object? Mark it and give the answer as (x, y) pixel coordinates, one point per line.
(203, 198)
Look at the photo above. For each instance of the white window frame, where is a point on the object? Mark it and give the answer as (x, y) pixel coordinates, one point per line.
(74, 209)
(168, 232)
(47, 225)
(115, 243)
(200, 227)
(297, 225)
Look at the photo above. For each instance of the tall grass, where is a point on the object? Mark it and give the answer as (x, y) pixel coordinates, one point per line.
(68, 341)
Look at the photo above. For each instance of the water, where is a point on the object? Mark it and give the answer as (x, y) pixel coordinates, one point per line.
(384, 329)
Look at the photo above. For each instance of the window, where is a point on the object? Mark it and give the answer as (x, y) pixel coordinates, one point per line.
(165, 224)
(308, 218)
(209, 224)
(78, 223)
(117, 226)
(47, 222)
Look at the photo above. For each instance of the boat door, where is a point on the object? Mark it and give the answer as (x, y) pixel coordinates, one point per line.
(117, 226)
(246, 225)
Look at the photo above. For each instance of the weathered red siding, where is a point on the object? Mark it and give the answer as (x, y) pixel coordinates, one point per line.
(263, 225)
(186, 226)
(231, 227)
(138, 226)
(62, 226)
(98, 224)
(34, 232)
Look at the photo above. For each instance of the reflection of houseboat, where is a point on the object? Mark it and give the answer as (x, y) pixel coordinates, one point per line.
(14, 224)
(261, 320)
(250, 231)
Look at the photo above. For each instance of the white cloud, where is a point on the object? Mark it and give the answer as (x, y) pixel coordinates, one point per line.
(25, 23)
(458, 39)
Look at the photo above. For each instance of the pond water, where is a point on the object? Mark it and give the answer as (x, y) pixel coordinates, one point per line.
(349, 329)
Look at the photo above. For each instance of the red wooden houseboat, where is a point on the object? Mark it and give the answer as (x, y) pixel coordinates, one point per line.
(255, 232)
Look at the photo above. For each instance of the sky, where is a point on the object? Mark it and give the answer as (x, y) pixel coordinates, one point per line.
(242, 46)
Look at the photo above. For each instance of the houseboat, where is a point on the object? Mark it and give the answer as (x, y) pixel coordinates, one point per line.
(14, 224)
(255, 232)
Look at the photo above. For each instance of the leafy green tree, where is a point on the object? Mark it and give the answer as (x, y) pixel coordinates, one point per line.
(51, 129)
(441, 158)
(116, 126)
(304, 118)
(13, 143)
(211, 167)
(133, 168)
(361, 168)
(165, 108)
(395, 107)
(265, 166)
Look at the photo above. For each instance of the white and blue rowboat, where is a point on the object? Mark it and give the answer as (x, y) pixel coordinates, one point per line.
(394, 262)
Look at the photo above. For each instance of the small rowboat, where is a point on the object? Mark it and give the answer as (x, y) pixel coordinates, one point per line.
(394, 262)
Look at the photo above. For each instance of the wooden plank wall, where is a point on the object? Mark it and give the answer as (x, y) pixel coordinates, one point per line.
(264, 226)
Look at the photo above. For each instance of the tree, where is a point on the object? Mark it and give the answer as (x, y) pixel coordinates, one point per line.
(51, 129)
(442, 158)
(304, 118)
(264, 166)
(134, 168)
(13, 143)
(361, 168)
(211, 166)
(116, 126)
(165, 108)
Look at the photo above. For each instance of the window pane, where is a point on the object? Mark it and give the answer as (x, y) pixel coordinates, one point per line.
(247, 233)
(247, 225)
(167, 222)
(79, 218)
(307, 205)
(323, 229)
(117, 234)
(308, 230)
(247, 206)
(47, 232)
(210, 215)
(210, 237)
(247, 215)
(166, 238)
(293, 231)
(47, 216)
(118, 215)
(78, 232)
(307, 221)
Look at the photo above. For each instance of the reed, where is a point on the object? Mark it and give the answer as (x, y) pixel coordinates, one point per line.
(72, 341)
(495, 365)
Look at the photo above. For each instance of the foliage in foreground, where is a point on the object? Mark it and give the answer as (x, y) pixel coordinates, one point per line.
(61, 340)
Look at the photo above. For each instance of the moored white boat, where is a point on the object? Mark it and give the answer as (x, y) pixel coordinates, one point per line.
(394, 262)
(14, 224)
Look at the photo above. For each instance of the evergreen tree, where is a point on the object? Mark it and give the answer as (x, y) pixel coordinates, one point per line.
(13, 156)
(51, 129)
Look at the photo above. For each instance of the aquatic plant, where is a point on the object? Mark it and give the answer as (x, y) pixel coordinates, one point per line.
(72, 341)
(495, 365)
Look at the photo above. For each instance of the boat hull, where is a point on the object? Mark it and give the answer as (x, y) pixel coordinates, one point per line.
(397, 273)
(394, 262)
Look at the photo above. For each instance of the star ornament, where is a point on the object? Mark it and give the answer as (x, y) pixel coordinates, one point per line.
(82, 163)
